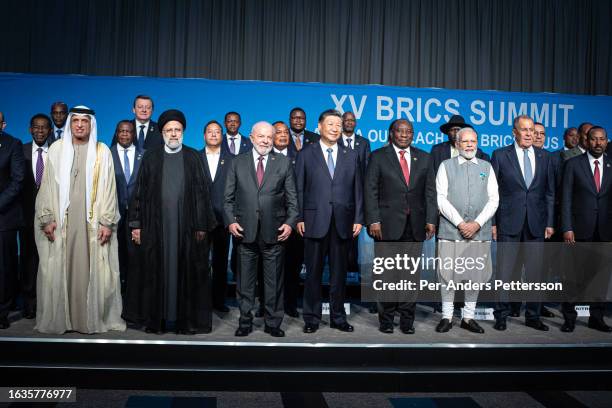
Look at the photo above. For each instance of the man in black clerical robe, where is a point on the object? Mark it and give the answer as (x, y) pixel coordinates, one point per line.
(170, 214)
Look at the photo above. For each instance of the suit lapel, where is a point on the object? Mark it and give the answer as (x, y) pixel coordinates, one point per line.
(249, 159)
(137, 159)
(340, 159)
(318, 152)
(511, 152)
(539, 158)
(606, 168)
(206, 166)
(586, 169)
(270, 168)
(394, 160)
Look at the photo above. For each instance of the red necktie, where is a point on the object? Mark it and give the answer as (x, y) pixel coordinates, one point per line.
(260, 171)
(596, 175)
(404, 165)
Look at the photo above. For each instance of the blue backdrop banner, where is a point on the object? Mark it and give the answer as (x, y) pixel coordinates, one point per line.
(490, 112)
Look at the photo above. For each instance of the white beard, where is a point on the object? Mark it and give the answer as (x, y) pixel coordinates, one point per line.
(467, 155)
(262, 150)
(173, 144)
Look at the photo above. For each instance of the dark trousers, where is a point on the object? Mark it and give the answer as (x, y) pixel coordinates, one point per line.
(315, 250)
(28, 268)
(248, 255)
(406, 310)
(219, 240)
(294, 258)
(124, 239)
(513, 253)
(596, 309)
(8, 271)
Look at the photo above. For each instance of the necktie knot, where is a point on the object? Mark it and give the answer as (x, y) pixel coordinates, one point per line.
(39, 150)
(142, 127)
(402, 153)
(596, 162)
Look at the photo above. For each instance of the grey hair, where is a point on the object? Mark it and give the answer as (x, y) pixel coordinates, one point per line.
(263, 123)
(462, 131)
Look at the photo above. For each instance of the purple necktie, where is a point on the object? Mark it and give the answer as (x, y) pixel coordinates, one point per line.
(40, 167)
(232, 145)
(260, 171)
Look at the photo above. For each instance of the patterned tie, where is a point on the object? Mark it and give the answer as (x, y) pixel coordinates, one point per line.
(59, 134)
(528, 169)
(298, 143)
(260, 171)
(349, 142)
(141, 138)
(596, 176)
(404, 166)
(232, 145)
(330, 162)
(40, 167)
(126, 166)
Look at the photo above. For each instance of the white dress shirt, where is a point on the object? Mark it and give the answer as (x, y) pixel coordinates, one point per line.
(145, 129)
(450, 212)
(600, 165)
(334, 148)
(237, 142)
(213, 162)
(345, 139)
(283, 152)
(297, 136)
(520, 155)
(131, 151)
(45, 149)
(406, 156)
(55, 129)
(256, 159)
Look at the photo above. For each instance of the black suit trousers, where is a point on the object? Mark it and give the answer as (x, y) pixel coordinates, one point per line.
(28, 268)
(272, 256)
(315, 251)
(8, 271)
(294, 258)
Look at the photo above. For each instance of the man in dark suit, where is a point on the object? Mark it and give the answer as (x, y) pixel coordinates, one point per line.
(233, 142)
(400, 200)
(300, 137)
(216, 165)
(330, 192)
(147, 133)
(294, 248)
(446, 150)
(586, 208)
(525, 214)
(35, 156)
(59, 114)
(261, 209)
(126, 161)
(12, 174)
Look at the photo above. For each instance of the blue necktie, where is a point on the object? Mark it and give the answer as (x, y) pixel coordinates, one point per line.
(528, 169)
(59, 134)
(126, 166)
(330, 162)
(141, 138)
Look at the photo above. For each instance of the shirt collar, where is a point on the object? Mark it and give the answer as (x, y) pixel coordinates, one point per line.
(397, 150)
(129, 148)
(138, 124)
(324, 147)
(592, 159)
(283, 152)
(44, 147)
(520, 149)
(464, 160)
(256, 155)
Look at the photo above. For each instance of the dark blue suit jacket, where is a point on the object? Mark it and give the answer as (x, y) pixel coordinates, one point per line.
(125, 189)
(217, 187)
(12, 174)
(243, 144)
(516, 201)
(319, 195)
(583, 209)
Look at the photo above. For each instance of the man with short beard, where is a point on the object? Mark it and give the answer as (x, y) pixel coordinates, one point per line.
(170, 215)
(261, 210)
(467, 200)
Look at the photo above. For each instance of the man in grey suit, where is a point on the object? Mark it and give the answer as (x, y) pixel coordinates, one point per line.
(260, 211)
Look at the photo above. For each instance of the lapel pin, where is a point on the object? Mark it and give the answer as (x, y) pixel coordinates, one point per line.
(272, 157)
(356, 143)
(414, 158)
(608, 165)
(221, 162)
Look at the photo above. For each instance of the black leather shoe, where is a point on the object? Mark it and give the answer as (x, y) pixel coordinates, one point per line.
(274, 331)
(386, 328)
(243, 331)
(310, 328)
(28, 314)
(537, 324)
(472, 326)
(568, 327)
(292, 313)
(500, 324)
(515, 314)
(444, 326)
(546, 313)
(152, 331)
(345, 327)
(599, 325)
(189, 332)
(4, 324)
(221, 308)
(260, 312)
(407, 329)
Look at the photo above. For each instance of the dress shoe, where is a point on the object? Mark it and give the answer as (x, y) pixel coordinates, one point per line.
(546, 313)
(274, 331)
(500, 324)
(568, 327)
(386, 328)
(472, 326)
(260, 312)
(310, 328)
(152, 331)
(407, 329)
(292, 312)
(536, 324)
(221, 308)
(243, 331)
(4, 324)
(515, 314)
(189, 332)
(599, 325)
(29, 314)
(444, 326)
(345, 327)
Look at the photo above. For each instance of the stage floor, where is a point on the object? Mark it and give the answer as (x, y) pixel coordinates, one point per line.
(366, 332)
